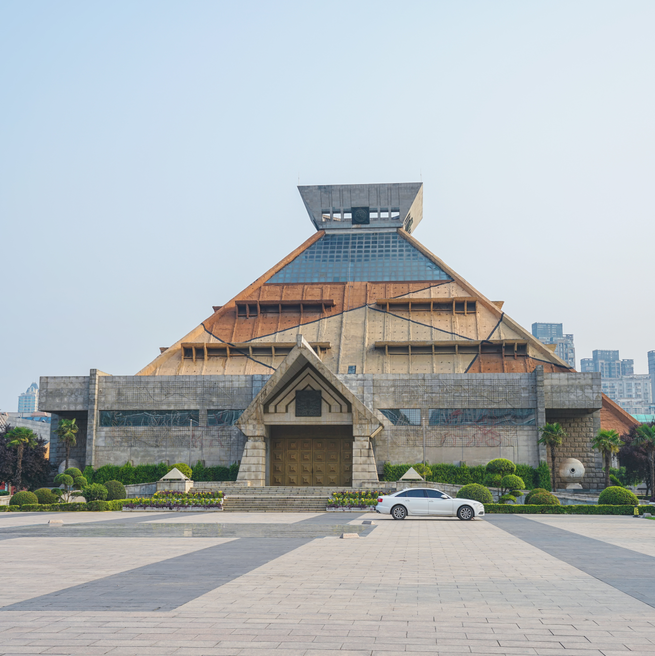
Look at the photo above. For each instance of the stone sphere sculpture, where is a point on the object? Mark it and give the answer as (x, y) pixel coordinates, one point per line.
(571, 471)
(71, 463)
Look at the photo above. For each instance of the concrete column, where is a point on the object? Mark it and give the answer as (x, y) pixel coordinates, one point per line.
(541, 409)
(252, 470)
(364, 467)
(92, 417)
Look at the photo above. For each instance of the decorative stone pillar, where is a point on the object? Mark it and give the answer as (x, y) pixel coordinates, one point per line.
(541, 411)
(364, 467)
(252, 470)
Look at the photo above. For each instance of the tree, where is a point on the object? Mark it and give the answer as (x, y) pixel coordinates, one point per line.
(607, 442)
(552, 436)
(635, 460)
(19, 438)
(645, 437)
(67, 432)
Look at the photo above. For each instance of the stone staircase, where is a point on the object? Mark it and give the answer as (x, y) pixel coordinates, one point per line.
(276, 499)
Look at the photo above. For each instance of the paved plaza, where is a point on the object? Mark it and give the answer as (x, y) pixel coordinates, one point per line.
(193, 584)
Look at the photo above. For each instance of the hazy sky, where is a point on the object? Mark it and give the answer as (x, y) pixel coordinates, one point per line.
(150, 152)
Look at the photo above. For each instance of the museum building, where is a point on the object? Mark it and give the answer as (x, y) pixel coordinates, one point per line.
(360, 347)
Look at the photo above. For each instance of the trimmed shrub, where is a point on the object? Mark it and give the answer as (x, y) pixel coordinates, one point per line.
(115, 490)
(492, 480)
(184, 468)
(507, 498)
(22, 498)
(476, 492)
(615, 481)
(94, 492)
(617, 496)
(64, 479)
(45, 495)
(98, 504)
(543, 477)
(73, 472)
(531, 493)
(512, 483)
(544, 499)
(583, 509)
(501, 466)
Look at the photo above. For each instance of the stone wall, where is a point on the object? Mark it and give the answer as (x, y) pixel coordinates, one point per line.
(580, 431)
(58, 450)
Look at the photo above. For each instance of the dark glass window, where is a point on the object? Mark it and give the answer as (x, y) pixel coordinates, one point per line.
(374, 256)
(308, 403)
(223, 417)
(483, 417)
(434, 494)
(352, 369)
(110, 418)
(416, 493)
(403, 416)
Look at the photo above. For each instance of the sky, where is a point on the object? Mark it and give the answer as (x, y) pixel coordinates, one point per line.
(150, 153)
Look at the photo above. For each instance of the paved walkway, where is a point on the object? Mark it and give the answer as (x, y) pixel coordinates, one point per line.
(285, 585)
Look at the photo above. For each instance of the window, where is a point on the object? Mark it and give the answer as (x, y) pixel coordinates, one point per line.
(483, 417)
(372, 256)
(403, 416)
(223, 417)
(352, 369)
(113, 418)
(415, 494)
(308, 403)
(435, 494)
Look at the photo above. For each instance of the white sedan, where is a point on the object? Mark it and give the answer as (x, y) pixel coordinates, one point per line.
(427, 501)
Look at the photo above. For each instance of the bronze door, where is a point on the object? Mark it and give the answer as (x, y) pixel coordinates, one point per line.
(311, 456)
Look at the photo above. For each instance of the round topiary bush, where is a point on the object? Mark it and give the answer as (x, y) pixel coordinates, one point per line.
(531, 493)
(23, 498)
(507, 498)
(501, 466)
(94, 492)
(64, 479)
(544, 499)
(45, 496)
(512, 482)
(115, 490)
(73, 472)
(476, 492)
(185, 469)
(492, 480)
(617, 496)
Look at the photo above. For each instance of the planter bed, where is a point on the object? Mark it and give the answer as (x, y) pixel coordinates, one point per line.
(185, 509)
(586, 509)
(351, 509)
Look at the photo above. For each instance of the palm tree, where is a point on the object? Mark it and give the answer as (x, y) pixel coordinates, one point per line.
(19, 438)
(552, 436)
(646, 437)
(67, 430)
(606, 443)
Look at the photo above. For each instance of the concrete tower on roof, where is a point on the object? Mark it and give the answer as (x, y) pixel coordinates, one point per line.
(358, 348)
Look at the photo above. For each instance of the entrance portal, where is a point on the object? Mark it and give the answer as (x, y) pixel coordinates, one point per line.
(311, 455)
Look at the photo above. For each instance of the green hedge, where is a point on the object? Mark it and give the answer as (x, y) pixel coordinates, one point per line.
(583, 509)
(456, 475)
(67, 507)
(128, 475)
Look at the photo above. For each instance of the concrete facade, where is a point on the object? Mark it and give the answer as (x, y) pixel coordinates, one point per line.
(387, 338)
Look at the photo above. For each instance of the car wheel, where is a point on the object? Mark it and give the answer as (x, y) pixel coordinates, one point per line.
(465, 513)
(399, 512)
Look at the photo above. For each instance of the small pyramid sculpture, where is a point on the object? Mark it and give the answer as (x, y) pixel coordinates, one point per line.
(411, 475)
(174, 475)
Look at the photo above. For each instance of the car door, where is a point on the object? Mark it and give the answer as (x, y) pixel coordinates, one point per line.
(439, 503)
(417, 502)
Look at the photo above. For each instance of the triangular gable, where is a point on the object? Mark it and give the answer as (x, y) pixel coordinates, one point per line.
(503, 318)
(303, 361)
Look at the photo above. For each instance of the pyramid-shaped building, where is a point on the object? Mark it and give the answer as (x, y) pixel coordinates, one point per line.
(360, 347)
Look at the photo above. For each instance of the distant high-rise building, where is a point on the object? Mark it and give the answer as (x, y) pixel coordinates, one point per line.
(553, 333)
(28, 401)
(651, 372)
(633, 392)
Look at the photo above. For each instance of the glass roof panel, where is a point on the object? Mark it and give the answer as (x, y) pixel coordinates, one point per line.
(366, 257)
